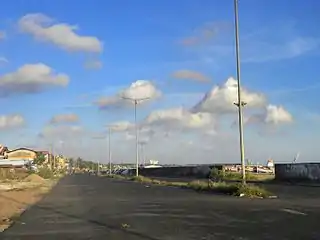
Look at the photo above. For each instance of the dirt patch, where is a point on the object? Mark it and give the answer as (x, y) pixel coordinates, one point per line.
(34, 178)
(15, 202)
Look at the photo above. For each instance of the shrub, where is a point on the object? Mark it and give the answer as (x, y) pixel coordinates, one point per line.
(142, 179)
(45, 173)
(216, 174)
(250, 190)
(199, 185)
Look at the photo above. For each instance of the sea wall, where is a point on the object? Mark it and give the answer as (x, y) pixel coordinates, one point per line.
(179, 171)
(298, 172)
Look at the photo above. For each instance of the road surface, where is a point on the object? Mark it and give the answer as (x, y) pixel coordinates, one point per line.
(91, 207)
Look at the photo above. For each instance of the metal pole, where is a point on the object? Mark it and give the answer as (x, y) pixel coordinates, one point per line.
(137, 137)
(110, 167)
(240, 104)
(135, 100)
(54, 159)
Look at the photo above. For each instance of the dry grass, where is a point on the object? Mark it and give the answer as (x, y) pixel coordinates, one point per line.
(235, 189)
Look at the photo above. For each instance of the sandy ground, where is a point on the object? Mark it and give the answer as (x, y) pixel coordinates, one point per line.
(16, 197)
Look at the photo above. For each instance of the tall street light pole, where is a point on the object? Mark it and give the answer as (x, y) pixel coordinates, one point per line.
(240, 104)
(136, 101)
(109, 141)
(98, 167)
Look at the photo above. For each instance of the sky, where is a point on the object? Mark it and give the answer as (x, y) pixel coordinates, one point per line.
(69, 73)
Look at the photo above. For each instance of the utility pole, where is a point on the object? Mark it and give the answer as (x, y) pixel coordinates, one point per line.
(109, 141)
(143, 156)
(240, 104)
(135, 101)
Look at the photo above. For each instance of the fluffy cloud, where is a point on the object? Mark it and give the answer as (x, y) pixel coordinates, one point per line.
(63, 35)
(121, 126)
(190, 75)
(61, 132)
(141, 89)
(114, 102)
(64, 118)
(11, 121)
(179, 118)
(272, 115)
(221, 99)
(31, 78)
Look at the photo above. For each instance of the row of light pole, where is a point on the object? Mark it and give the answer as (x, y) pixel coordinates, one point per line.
(136, 101)
(240, 104)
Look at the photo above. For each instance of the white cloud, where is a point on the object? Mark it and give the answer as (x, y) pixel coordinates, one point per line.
(121, 126)
(272, 115)
(256, 51)
(206, 33)
(221, 99)
(190, 75)
(11, 121)
(93, 64)
(64, 118)
(63, 35)
(31, 78)
(140, 89)
(111, 102)
(177, 118)
(61, 132)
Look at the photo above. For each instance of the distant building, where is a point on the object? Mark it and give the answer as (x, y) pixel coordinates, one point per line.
(20, 154)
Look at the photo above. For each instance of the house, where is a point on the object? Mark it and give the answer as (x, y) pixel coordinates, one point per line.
(20, 154)
(3, 150)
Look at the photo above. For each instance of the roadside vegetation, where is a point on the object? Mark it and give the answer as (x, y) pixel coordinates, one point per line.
(222, 187)
(219, 175)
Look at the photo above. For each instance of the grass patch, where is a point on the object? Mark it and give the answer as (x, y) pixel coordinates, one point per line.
(219, 175)
(235, 189)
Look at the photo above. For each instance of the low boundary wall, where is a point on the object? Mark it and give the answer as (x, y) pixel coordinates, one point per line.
(201, 171)
(298, 172)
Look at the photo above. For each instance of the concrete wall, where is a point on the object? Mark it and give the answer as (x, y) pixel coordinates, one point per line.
(184, 171)
(298, 172)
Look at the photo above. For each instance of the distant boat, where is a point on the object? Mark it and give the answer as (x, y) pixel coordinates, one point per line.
(152, 164)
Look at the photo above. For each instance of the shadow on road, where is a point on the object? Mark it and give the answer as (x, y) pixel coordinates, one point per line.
(91, 221)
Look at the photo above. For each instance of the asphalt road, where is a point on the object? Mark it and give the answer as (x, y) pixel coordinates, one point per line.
(91, 207)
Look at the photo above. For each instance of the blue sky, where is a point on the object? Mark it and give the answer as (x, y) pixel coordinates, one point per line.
(151, 40)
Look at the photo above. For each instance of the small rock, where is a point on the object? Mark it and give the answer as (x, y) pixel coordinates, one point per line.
(274, 196)
(124, 225)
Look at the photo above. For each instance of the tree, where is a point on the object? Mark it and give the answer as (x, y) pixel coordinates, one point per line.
(39, 159)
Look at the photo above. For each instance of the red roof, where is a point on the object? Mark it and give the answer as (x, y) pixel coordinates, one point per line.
(43, 152)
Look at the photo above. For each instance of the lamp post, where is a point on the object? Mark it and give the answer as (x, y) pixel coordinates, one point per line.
(240, 104)
(109, 146)
(136, 101)
(98, 167)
